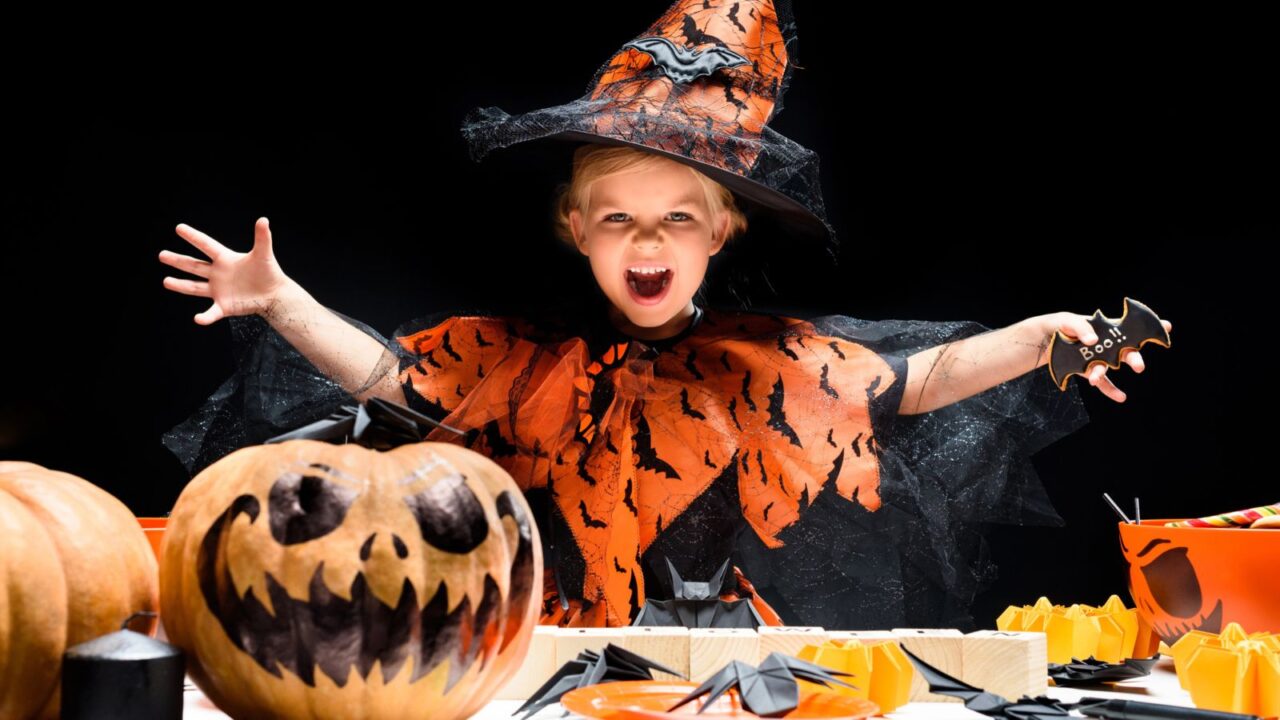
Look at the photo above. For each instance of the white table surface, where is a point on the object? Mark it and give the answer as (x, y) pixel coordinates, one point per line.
(1161, 687)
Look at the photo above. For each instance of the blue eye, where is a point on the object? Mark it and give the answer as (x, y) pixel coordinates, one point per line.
(608, 218)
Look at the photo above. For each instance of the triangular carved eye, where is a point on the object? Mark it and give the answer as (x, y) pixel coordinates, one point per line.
(306, 507)
(450, 515)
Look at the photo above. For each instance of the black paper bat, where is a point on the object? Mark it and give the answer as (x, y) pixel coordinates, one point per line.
(769, 690)
(1039, 708)
(591, 668)
(698, 605)
(1087, 672)
(378, 424)
(1135, 328)
(981, 701)
(682, 64)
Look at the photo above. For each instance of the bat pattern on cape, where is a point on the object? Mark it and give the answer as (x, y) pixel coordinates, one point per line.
(1137, 326)
(602, 423)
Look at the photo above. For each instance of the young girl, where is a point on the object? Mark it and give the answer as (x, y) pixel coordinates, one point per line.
(841, 463)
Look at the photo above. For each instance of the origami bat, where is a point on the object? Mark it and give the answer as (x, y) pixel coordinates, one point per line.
(698, 605)
(611, 664)
(770, 690)
(1136, 327)
(1042, 708)
(377, 424)
(1084, 672)
(989, 704)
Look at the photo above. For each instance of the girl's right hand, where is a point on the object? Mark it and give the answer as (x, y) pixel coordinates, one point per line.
(238, 283)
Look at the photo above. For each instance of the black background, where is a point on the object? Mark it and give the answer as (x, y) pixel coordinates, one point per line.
(972, 172)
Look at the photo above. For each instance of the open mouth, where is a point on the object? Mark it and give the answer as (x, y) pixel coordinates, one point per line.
(648, 285)
(1207, 622)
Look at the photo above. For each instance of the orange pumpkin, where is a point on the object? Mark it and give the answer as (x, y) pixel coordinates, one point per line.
(305, 580)
(74, 564)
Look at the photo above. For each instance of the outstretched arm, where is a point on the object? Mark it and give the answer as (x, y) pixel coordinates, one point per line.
(252, 283)
(343, 352)
(951, 372)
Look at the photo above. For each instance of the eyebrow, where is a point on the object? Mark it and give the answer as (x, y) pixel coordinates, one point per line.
(691, 199)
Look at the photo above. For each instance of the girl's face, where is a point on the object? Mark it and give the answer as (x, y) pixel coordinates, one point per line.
(649, 234)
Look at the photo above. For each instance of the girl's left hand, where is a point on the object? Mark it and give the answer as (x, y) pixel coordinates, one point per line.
(1077, 327)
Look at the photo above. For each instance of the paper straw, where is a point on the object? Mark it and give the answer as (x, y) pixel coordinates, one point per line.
(1116, 507)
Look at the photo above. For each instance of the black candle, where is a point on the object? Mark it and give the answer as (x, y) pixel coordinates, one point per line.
(122, 676)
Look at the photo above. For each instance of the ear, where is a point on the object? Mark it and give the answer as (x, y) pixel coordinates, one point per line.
(721, 229)
(575, 226)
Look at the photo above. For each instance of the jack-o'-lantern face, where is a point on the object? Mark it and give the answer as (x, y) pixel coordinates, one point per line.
(1166, 587)
(343, 571)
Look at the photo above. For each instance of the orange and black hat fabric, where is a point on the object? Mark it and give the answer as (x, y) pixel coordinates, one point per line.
(699, 86)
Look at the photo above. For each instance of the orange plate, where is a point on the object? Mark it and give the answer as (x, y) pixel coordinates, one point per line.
(649, 700)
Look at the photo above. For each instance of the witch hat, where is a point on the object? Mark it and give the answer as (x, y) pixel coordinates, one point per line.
(699, 86)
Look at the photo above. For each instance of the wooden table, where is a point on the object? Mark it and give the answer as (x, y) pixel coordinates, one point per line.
(1161, 686)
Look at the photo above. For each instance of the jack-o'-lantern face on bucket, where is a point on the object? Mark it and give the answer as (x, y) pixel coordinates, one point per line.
(1164, 584)
(348, 573)
(1191, 578)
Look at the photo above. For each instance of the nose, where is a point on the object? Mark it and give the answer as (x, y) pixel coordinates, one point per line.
(366, 550)
(648, 236)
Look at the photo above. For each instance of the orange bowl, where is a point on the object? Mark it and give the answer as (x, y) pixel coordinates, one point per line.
(1189, 578)
(153, 528)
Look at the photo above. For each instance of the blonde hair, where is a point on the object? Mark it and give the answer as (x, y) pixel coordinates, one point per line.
(594, 161)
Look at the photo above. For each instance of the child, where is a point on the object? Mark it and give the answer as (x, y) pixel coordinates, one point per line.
(859, 454)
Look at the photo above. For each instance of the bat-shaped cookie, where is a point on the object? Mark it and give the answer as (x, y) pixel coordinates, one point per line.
(1135, 328)
(683, 65)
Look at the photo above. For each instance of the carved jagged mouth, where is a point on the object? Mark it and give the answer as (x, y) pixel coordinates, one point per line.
(1211, 622)
(335, 634)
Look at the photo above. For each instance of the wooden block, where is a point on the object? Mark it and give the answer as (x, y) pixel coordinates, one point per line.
(538, 665)
(571, 641)
(712, 648)
(865, 636)
(668, 646)
(941, 648)
(1009, 664)
(788, 639)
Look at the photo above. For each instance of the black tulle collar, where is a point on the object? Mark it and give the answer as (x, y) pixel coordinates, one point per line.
(601, 333)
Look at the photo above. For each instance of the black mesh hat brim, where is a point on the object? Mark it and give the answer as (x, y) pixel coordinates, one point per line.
(743, 187)
(783, 178)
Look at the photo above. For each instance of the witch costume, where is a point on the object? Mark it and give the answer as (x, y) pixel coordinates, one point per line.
(773, 441)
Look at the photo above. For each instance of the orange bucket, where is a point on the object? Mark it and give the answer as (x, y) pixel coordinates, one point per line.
(153, 527)
(1192, 578)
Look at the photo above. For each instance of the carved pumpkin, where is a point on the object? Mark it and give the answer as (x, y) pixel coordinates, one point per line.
(74, 564)
(1189, 578)
(305, 580)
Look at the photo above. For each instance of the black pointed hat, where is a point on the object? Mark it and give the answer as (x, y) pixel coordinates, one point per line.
(699, 86)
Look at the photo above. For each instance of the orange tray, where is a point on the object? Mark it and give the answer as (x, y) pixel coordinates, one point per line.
(649, 700)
